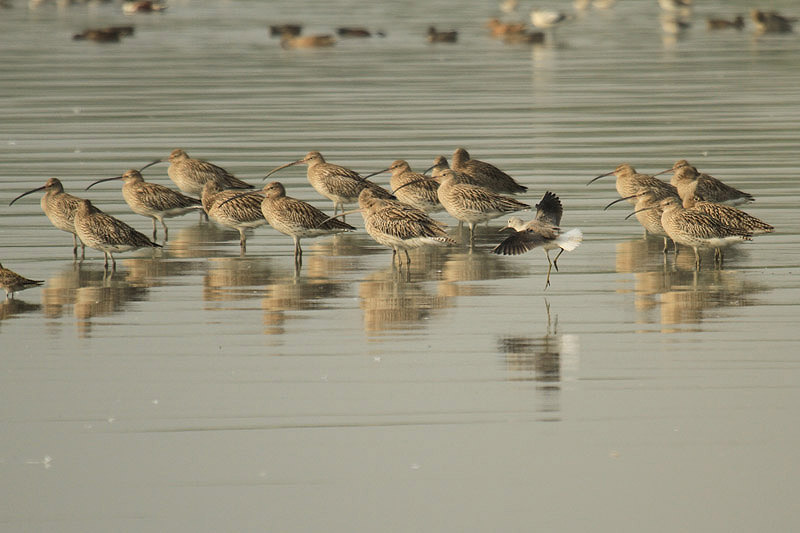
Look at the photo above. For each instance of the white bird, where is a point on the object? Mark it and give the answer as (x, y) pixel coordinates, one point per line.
(542, 231)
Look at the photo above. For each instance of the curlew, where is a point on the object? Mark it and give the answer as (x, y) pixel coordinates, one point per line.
(473, 204)
(353, 31)
(630, 183)
(60, 209)
(152, 200)
(240, 211)
(339, 184)
(542, 231)
(190, 175)
(412, 187)
(708, 188)
(698, 230)
(730, 216)
(439, 164)
(107, 234)
(12, 282)
(648, 212)
(293, 217)
(399, 226)
(485, 174)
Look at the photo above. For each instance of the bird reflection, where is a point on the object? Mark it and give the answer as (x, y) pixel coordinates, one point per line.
(13, 307)
(390, 302)
(543, 360)
(291, 292)
(89, 293)
(669, 291)
(477, 266)
(230, 279)
(199, 241)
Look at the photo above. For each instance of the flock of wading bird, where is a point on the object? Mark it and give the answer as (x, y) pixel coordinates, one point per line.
(690, 210)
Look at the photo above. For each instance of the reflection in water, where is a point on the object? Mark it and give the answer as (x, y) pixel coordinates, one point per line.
(544, 360)
(291, 293)
(668, 290)
(391, 302)
(231, 279)
(478, 265)
(91, 292)
(199, 240)
(10, 308)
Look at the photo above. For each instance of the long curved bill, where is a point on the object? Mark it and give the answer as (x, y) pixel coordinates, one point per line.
(412, 183)
(339, 215)
(26, 194)
(232, 198)
(620, 200)
(101, 181)
(639, 211)
(600, 176)
(150, 164)
(274, 170)
(376, 173)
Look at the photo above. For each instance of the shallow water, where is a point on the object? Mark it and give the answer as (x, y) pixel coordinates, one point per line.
(196, 389)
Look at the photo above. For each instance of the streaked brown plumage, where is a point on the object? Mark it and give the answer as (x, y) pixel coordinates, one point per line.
(542, 231)
(473, 204)
(190, 175)
(337, 183)
(630, 183)
(242, 211)
(698, 230)
(485, 174)
(296, 218)
(708, 187)
(411, 187)
(153, 200)
(399, 226)
(110, 235)
(439, 164)
(730, 216)
(60, 209)
(12, 282)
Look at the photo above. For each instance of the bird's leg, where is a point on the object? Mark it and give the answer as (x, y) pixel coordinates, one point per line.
(408, 258)
(471, 235)
(549, 268)
(555, 261)
(155, 235)
(696, 259)
(298, 252)
(166, 231)
(74, 247)
(105, 264)
(666, 246)
(394, 256)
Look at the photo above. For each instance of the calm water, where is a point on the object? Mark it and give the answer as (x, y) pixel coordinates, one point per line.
(197, 390)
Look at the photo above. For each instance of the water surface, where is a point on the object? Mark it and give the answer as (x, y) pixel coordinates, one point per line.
(196, 389)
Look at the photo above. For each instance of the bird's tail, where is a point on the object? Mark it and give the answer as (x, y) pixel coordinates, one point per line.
(570, 240)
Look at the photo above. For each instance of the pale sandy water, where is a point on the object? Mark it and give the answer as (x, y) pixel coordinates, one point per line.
(196, 390)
